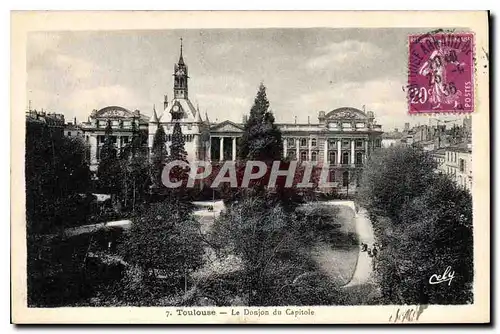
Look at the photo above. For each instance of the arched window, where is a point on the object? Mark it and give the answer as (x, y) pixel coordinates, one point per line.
(332, 157)
(345, 158)
(303, 142)
(314, 156)
(332, 176)
(303, 156)
(314, 142)
(359, 158)
(291, 155)
(291, 142)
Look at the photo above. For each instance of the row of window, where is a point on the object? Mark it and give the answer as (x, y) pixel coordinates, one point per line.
(332, 143)
(332, 157)
(335, 125)
(101, 139)
(451, 156)
(115, 124)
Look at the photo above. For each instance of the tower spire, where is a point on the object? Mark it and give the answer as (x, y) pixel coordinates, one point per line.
(181, 78)
(181, 59)
(154, 117)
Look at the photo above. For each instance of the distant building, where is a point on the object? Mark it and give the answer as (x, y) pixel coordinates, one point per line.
(407, 127)
(73, 130)
(37, 119)
(123, 123)
(456, 161)
(393, 138)
(439, 156)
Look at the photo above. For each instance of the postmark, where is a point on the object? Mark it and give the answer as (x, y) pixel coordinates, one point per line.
(441, 73)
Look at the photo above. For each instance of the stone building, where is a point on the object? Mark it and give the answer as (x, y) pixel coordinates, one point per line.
(180, 109)
(55, 122)
(458, 164)
(342, 138)
(123, 123)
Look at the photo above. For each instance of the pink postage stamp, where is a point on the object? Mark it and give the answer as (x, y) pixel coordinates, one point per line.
(441, 73)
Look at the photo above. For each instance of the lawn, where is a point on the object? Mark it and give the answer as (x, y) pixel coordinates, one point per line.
(336, 250)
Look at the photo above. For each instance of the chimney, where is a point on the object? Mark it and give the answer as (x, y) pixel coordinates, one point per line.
(321, 116)
(295, 119)
(308, 122)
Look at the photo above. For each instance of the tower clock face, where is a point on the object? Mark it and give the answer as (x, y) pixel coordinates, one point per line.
(175, 108)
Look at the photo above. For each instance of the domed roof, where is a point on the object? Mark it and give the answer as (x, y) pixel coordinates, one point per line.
(346, 113)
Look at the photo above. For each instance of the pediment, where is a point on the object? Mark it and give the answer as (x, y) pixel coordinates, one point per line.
(227, 126)
(114, 112)
(346, 113)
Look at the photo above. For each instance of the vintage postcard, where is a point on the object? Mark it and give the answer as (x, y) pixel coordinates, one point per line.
(250, 167)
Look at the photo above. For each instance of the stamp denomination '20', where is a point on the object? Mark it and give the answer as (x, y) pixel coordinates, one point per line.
(441, 73)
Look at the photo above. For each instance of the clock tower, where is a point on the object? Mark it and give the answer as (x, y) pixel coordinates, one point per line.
(180, 78)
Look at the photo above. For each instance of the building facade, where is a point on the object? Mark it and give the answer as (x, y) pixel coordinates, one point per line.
(55, 122)
(456, 162)
(342, 138)
(123, 123)
(181, 110)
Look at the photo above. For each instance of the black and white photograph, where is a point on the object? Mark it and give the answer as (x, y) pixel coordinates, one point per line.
(254, 174)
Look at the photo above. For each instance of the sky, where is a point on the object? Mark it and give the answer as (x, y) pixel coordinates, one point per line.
(304, 70)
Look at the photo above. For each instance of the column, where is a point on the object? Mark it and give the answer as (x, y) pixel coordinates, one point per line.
(93, 149)
(234, 149)
(309, 149)
(285, 147)
(297, 150)
(366, 148)
(325, 150)
(119, 144)
(208, 149)
(339, 152)
(221, 148)
(352, 151)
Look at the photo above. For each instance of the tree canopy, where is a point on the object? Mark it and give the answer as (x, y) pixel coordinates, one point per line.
(164, 237)
(109, 170)
(261, 139)
(423, 222)
(57, 171)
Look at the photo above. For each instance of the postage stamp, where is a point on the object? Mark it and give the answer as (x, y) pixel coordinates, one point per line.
(441, 73)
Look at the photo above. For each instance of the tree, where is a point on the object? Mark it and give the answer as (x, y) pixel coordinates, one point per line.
(269, 242)
(177, 150)
(135, 168)
(261, 139)
(178, 153)
(392, 177)
(56, 172)
(159, 154)
(163, 239)
(423, 222)
(109, 171)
